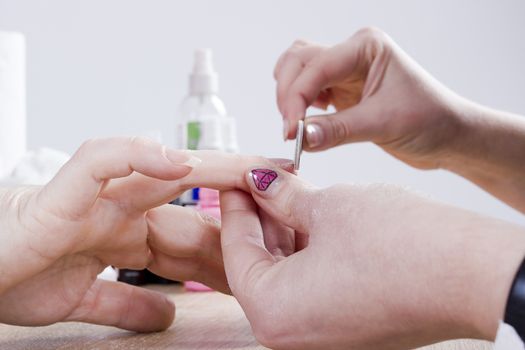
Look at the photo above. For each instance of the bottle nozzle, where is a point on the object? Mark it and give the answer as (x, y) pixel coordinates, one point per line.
(203, 79)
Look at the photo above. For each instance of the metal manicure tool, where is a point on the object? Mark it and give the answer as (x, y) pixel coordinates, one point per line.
(298, 145)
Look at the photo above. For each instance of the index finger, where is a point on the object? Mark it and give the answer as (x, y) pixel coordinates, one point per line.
(289, 67)
(331, 66)
(218, 170)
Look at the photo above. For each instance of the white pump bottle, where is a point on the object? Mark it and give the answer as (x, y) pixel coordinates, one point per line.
(204, 123)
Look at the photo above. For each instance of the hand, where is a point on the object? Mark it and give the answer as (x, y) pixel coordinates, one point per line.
(383, 269)
(182, 250)
(382, 95)
(56, 239)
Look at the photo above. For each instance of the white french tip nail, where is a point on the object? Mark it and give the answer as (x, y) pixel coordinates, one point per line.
(192, 162)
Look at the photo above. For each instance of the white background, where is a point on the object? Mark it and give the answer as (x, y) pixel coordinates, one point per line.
(99, 68)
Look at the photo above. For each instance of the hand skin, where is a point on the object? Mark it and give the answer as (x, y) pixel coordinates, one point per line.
(382, 95)
(57, 238)
(297, 247)
(383, 269)
(106, 207)
(352, 267)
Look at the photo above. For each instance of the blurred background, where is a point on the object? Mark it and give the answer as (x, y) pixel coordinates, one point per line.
(103, 68)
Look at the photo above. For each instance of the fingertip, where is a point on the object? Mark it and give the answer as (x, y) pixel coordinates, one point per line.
(156, 313)
(314, 135)
(170, 316)
(125, 306)
(286, 129)
(295, 112)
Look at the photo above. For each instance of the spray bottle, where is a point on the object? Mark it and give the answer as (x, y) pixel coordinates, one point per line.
(204, 123)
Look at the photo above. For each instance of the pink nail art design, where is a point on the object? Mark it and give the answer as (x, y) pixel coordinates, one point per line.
(263, 178)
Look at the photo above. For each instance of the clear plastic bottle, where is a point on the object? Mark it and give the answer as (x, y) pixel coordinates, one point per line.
(203, 120)
(202, 102)
(204, 124)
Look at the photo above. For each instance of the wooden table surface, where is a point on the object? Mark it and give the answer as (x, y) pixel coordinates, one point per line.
(207, 320)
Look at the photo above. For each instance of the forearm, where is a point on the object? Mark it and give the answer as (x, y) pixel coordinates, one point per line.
(461, 265)
(491, 152)
(493, 251)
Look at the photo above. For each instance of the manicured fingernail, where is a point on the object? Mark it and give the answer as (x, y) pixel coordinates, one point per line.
(314, 135)
(263, 178)
(286, 127)
(182, 158)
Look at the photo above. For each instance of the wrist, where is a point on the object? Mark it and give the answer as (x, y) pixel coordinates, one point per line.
(458, 148)
(490, 264)
(489, 152)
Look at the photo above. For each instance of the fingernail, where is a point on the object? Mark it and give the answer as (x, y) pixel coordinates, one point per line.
(263, 178)
(182, 158)
(314, 135)
(285, 129)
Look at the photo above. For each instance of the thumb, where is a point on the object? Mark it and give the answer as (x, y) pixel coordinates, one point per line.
(124, 306)
(283, 196)
(355, 124)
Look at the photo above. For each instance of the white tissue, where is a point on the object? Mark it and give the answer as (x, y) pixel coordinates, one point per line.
(507, 338)
(12, 100)
(109, 274)
(36, 167)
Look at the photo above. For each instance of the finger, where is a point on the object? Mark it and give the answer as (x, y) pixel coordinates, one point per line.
(361, 122)
(291, 64)
(329, 67)
(279, 239)
(203, 270)
(285, 197)
(77, 185)
(245, 256)
(301, 241)
(285, 164)
(218, 170)
(124, 306)
(296, 45)
(184, 233)
(288, 68)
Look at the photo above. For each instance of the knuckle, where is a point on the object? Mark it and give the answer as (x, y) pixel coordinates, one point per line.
(88, 145)
(370, 33)
(373, 40)
(292, 55)
(138, 142)
(85, 153)
(319, 66)
(340, 131)
(300, 43)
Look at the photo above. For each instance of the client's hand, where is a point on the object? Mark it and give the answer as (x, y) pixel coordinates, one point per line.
(383, 269)
(55, 239)
(97, 212)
